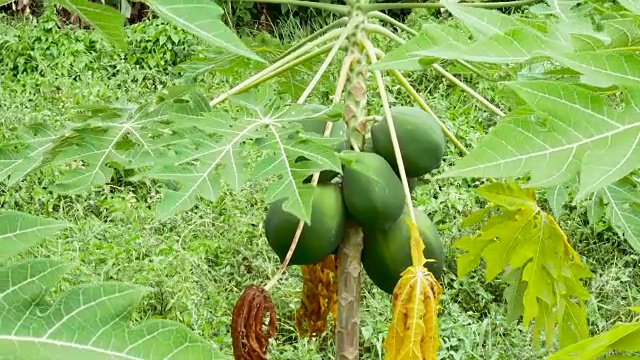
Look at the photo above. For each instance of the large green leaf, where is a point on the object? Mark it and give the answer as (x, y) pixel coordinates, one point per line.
(204, 19)
(621, 337)
(219, 154)
(107, 20)
(27, 153)
(88, 321)
(623, 210)
(576, 130)
(631, 5)
(128, 135)
(20, 231)
(431, 37)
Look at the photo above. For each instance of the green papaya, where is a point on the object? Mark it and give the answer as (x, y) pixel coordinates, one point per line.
(318, 239)
(387, 253)
(372, 192)
(420, 137)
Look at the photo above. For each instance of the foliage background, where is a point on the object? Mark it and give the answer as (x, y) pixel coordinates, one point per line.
(199, 261)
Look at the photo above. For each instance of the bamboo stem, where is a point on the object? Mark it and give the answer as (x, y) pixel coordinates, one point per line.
(279, 66)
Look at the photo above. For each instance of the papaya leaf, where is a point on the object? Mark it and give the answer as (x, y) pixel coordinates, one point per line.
(108, 21)
(631, 5)
(88, 321)
(413, 332)
(554, 147)
(623, 209)
(19, 231)
(220, 153)
(27, 153)
(621, 337)
(113, 134)
(604, 68)
(557, 196)
(432, 36)
(595, 208)
(481, 22)
(519, 236)
(202, 18)
(417, 245)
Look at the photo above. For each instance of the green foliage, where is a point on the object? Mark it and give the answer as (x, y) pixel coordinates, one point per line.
(87, 321)
(563, 125)
(204, 19)
(623, 208)
(620, 338)
(544, 271)
(105, 19)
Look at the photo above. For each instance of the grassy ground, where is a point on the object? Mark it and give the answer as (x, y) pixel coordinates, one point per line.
(198, 262)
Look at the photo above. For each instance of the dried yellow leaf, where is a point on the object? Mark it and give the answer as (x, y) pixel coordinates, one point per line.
(413, 333)
(319, 296)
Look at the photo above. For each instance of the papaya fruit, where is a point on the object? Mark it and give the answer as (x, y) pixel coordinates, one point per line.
(372, 192)
(318, 239)
(387, 253)
(420, 137)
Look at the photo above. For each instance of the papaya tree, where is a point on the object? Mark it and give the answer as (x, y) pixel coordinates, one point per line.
(339, 172)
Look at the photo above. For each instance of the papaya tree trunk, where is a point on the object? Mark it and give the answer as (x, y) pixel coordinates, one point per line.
(348, 314)
(348, 317)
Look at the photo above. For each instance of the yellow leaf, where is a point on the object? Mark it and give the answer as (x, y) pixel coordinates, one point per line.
(417, 246)
(413, 333)
(516, 234)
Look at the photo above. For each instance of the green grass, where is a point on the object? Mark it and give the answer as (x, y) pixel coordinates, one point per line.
(198, 262)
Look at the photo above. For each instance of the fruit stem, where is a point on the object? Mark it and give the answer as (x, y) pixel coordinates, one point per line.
(295, 58)
(336, 24)
(348, 316)
(392, 129)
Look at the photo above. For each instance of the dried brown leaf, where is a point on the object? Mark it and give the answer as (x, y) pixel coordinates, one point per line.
(248, 334)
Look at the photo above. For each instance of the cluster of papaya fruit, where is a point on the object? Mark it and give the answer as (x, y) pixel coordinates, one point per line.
(369, 193)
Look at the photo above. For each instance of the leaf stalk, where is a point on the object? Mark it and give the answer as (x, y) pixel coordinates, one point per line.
(295, 58)
(334, 8)
(336, 24)
(392, 129)
(391, 35)
(367, 8)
